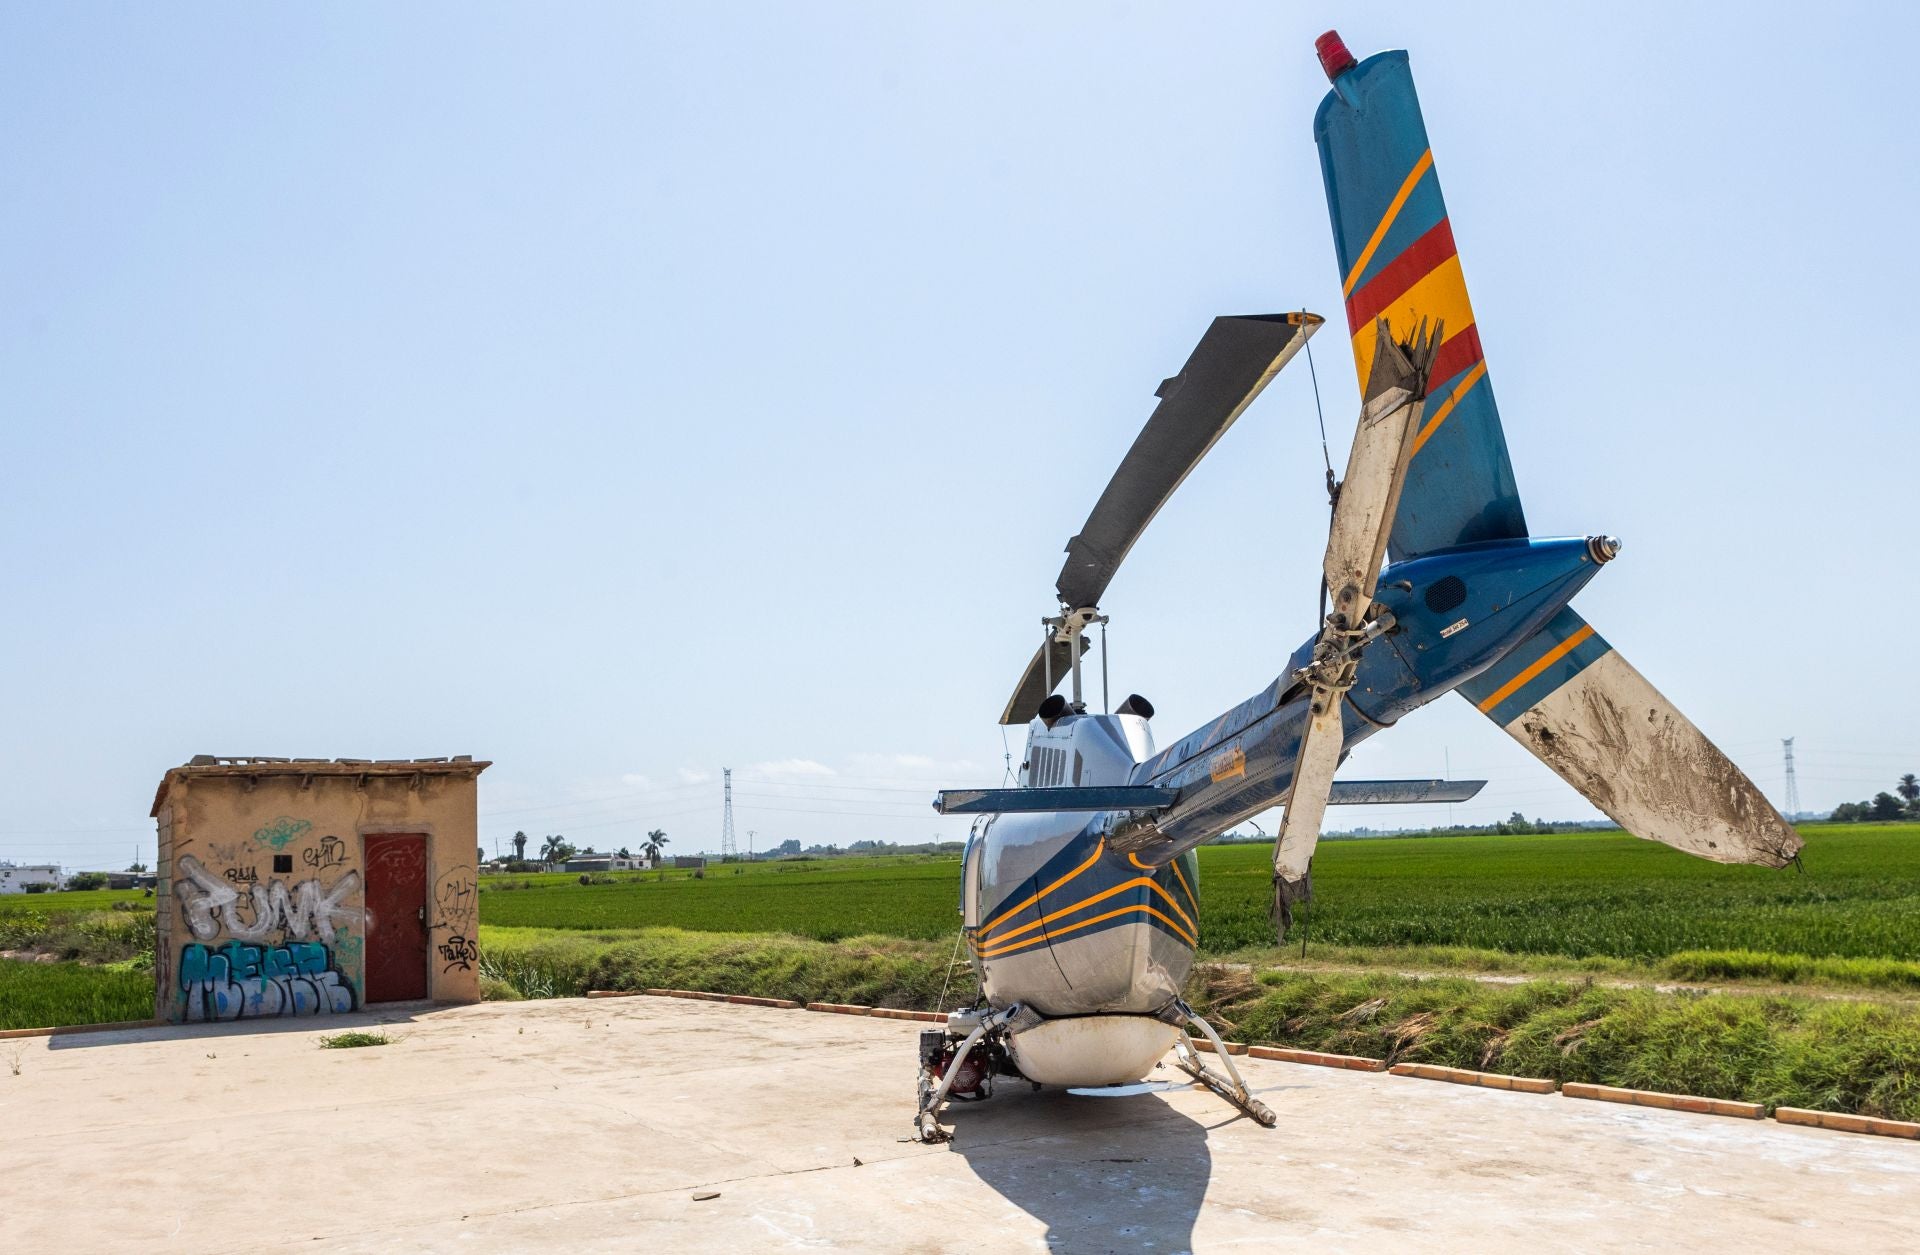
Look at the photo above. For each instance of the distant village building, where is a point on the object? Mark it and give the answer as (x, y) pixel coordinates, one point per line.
(312, 887)
(689, 860)
(15, 877)
(603, 863)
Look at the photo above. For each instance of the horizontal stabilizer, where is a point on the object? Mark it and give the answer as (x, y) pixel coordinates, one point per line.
(1582, 709)
(1109, 797)
(1392, 792)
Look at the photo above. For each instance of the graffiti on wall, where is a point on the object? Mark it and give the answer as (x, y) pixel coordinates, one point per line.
(281, 831)
(238, 981)
(459, 952)
(240, 875)
(331, 852)
(456, 901)
(308, 910)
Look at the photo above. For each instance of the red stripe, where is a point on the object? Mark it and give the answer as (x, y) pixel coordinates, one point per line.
(1392, 280)
(1460, 351)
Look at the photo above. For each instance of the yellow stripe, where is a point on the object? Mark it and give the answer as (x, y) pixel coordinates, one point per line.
(1420, 167)
(1439, 296)
(1453, 398)
(1088, 923)
(1093, 858)
(1547, 659)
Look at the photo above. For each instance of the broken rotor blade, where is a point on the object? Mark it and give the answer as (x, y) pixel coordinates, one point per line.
(1306, 806)
(1376, 468)
(1356, 545)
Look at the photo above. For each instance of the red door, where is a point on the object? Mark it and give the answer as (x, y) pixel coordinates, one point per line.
(396, 917)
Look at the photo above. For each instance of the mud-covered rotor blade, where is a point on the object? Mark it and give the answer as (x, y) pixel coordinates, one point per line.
(1234, 360)
(1033, 687)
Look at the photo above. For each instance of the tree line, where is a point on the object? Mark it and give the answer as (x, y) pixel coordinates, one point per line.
(555, 848)
(1883, 805)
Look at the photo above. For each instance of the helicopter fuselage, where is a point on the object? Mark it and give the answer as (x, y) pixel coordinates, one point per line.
(1089, 921)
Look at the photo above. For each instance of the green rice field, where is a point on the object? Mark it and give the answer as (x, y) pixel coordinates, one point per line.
(1573, 895)
(35, 995)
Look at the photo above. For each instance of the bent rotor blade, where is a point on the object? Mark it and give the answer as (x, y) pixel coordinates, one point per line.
(1583, 710)
(1356, 544)
(1033, 687)
(1306, 807)
(1234, 360)
(1376, 469)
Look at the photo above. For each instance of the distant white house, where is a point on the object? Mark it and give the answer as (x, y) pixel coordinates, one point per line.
(15, 877)
(604, 863)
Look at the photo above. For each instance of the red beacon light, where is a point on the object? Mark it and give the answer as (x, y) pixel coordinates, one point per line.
(1334, 57)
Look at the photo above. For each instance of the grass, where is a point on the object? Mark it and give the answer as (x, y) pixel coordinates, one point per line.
(874, 971)
(354, 1038)
(47, 995)
(1759, 1047)
(1779, 1050)
(1577, 896)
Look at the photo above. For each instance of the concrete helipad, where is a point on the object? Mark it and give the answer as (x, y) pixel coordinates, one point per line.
(591, 1126)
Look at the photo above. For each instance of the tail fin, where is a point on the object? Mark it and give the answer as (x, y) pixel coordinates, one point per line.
(1569, 697)
(1397, 261)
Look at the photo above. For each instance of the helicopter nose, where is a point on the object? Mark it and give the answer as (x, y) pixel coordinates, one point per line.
(1603, 549)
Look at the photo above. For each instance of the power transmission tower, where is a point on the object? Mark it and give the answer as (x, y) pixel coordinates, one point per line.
(726, 824)
(1793, 786)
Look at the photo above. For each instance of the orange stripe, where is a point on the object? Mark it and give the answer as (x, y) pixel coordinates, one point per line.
(1088, 923)
(1420, 167)
(1102, 896)
(1547, 659)
(1093, 858)
(1474, 376)
(1192, 899)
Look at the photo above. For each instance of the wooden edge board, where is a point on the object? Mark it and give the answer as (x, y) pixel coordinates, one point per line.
(1844, 1123)
(1318, 1058)
(1467, 1076)
(1671, 1102)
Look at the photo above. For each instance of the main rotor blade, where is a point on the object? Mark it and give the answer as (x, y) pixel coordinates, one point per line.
(1377, 467)
(1052, 657)
(1306, 805)
(1234, 360)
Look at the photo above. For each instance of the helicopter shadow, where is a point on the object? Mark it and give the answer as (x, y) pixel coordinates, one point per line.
(1103, 1174)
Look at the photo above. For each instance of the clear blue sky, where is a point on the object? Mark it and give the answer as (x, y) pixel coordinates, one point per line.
(624, 392)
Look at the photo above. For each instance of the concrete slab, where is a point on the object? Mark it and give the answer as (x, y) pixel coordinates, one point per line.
(589, 1126)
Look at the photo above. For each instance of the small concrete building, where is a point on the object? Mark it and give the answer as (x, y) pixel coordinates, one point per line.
(15, 877)
(309, 887)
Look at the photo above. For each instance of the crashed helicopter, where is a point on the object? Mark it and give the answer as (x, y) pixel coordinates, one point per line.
(1079, 890)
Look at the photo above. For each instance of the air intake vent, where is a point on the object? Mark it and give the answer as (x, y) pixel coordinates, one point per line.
(1444, 594)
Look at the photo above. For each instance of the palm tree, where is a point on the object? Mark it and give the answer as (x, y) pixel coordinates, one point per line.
(555, 850)
(520, 846)
(651, 847)
(1909, 787)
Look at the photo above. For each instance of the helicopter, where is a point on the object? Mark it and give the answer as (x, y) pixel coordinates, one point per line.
(1079, 884)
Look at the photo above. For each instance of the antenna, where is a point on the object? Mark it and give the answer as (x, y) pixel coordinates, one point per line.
(727, 852)
(1793, 785)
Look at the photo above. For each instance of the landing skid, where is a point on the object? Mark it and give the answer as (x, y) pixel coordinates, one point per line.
(1230, 1086)
(987, 1028)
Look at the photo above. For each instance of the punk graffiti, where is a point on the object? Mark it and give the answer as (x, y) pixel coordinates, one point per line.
(307, 910)
(238, 981)
(458, 952)
(331, 852)
(277, 834)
